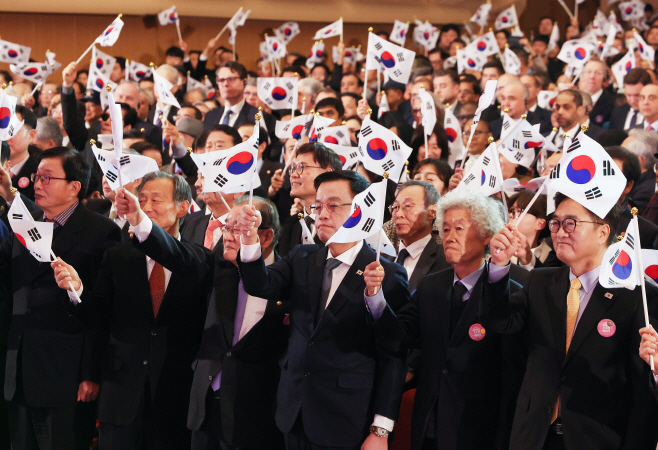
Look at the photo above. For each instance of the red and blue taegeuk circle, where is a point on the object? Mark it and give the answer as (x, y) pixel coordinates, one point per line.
(580, 53)
(533, 144)
(388, 60)
(452, 134)
(12, 53)
(297, 131)
(279, 93)
(31, 71)
(482, 46)
(99, 83)
(5, 117)
(240, 163)
(354, 219)
(652, 272)
(483, 177)
(623, 266)
(331, 140)
(581, 169)
(377, 149)
(108, 31)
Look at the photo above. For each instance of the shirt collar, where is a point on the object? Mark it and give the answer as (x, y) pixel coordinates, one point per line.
(595, 96)
(469, 280)
(348, 256)
(237, 107)
(533, 108)
(416, 248)
(588, 280)
(64, 216)
(149, 259)
(17, 167)
(270, 258)
(572, 132)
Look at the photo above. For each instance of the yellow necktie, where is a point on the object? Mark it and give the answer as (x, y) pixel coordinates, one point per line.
(573, 305)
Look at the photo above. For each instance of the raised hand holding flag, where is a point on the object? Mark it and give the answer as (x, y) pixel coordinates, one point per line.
(395, 61)
(13, 53)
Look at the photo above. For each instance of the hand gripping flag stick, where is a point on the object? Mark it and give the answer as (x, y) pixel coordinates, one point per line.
(638, 252)
(75, 294)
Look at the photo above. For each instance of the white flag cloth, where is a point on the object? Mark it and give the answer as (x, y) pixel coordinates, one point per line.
(9, 123)
(96, 79)
(426, 35)
(307, 236)
(315, 57)
(111, 33)
(287, 31)
(168, 16)
(554, 39)
(600, 23)
(293, 128)
(399, 33)
(586, 174)
(620, 267)
(275, 47)
(631, 10)
(381, 150)
(485, 174)
(367, 216)
(623, 66)
(278, 93)
(646, 51)
(102, 62)
(513, 186)
(519, 145)
(386, 247)
(481, 16)
(132, 166)
(352, 55)
(105, 93)
(607, 48)
(35, 72)
(339, 135)
(13, 53)
(319, 123)
(545, 99)
(232, 168)
(650, 262)
(506, 19)
(512, 62)
(163, 89)
(454, 131)
(383, 106)
(349, 156)
(612, 20)
(395, 61)
(485, 45)
(138, 71)
(116, 117)
(467, 59)
(239, 18)
(335, 29)
(37, 237)
(486, 99)
(428, 111)
(640, 24)
(193, 84)
(576, 52)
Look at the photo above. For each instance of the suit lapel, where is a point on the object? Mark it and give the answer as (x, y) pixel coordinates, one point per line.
(470, 314)
(200, 232)
(556, 303)
(316, 261)
(227, 300)
(242, 115)
(425, 261)
(443, 305)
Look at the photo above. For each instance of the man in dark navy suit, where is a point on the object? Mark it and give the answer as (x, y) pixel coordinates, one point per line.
(628, 116)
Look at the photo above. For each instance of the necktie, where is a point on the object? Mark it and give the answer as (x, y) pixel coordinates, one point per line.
(573, 305)
(457, 305)
(649, 128)
(212, 226)
(157, 285)
(158, 122)
(113, 215)
(309, 221)
(404, 253)
(633, 120)
(227, 117)
(327, 277)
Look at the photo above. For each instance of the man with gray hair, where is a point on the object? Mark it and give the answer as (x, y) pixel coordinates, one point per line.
(48, 135)
(457, 405)
(593, 130)
(308, 90)
(644, 144)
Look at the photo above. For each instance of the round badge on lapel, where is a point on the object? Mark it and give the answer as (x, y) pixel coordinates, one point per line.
(23, 182)
(606, 328)
(477, 332)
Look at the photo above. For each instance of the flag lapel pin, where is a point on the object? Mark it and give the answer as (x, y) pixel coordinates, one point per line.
(608, 295)
(359, 272)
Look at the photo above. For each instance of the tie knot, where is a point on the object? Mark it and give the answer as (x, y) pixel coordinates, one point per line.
(331, 264)
(576, 284)
(213, 225)
(404, 253)
(460, 290)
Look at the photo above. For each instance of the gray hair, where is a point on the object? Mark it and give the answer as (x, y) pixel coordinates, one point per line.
(644, 146)
(432, 196)
(48, 128)
(314, 85)
(587, 99)
(268, 212)
(487, 213)
(182, 191)
(168, 72)
(517, 83)
(251, 81)
(149, 96)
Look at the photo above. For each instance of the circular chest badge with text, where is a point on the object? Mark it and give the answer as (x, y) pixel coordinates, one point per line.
(23, 182)
(606, 328)
(477, 332)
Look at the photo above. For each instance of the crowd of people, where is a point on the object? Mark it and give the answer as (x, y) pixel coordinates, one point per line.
(210, 320)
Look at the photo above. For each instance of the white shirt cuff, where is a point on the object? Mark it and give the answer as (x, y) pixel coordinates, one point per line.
(72, 296)
(250, 253)
(383, 422)
(496, 273)
(178, 151)
(203, 57)
(143, 229)
(376, 304)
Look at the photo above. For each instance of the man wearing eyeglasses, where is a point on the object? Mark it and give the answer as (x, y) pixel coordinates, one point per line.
(338, 388)
(628, 116)
(593, 80)
(585, 384)
(23, 157)
(51, 362)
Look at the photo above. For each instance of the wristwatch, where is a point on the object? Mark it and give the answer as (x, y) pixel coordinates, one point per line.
(379, 431)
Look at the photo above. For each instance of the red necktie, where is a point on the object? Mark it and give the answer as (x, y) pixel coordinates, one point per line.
(157, 285)
(649, 128)
(212, 226)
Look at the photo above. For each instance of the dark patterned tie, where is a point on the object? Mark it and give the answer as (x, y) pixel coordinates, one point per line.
(327, 277)
(157, 285)
(633, 120)
(457, 305)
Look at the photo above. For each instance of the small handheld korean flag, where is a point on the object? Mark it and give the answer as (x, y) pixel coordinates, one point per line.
(506, 19)
(278, 93)
(293, 128)
(519, 146)
(138, 71)
(512, 62)
(385, 245)
(238, 20)
(96, 79)
(646, 51)
(620, 267)
(168, 16)
(335, 29)
(468, 59)
(232, 168)
(486, 99)
(485, 45)
(484, 175)
(428, 110)
(287, 31)
(588, 175)
(35, 72)
(276, 47)
(381, 150)
(454, 131)
(163, 88)
(399, 33)
(349, 156)
(545, 99)
(315, 57)
(193, 84)
(554, 39)
(631, 10)
(367, 216)
(132, 166)
(111, 33)
(13, 53)
(102, 62)
(425, 35)
(395, 61)
(481, 16)
(576, 52)
(37, 237)
(623, 66)
(9, 123)
(383, 106)
(338, 135)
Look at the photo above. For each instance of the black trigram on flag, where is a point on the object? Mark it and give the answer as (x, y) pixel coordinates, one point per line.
(34, 234)
(607, 169)
(575, 145)
(290, 99)
(378, 46)
(492, 181)
(469, 178)
(100, 158)
(269, 101)
(630, 241)
(389, 165)
(267, 85)
(527, 134)
(428, 106)
(340, 134)
(124, 160)
(518, 156)
(17, 216)
(506, 125)
(555, 173)
(220, 181)
(366, 131)
(111, 176)
(400, 56)
(486, 160)
(612, 282)
(289, 85)
(395, 145)
(353, 155)
(593, 193)
(397, 72)
(286, 127)
(614, 257)
(218, 162)
(516, 143)
(368, 225)
(369, 200)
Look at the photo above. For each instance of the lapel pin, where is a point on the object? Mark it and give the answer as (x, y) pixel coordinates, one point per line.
(359, 272)
(608, 295)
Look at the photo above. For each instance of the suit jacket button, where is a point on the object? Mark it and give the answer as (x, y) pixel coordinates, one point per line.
(145, 362)
(307, 374)
(228, 354)
(209, 377)
(445, 371)
(153, 333)
(279, 303)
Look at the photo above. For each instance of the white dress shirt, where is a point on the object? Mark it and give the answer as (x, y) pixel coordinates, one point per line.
(654, 125)
(415, 250)
(120, 221)
(16, 168)
(255, 308)
(629, 116)
(235, 111)
(596, 96)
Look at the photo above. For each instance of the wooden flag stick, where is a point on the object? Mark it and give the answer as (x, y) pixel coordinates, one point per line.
(638, 252)
(86, 51)
(180, 36)
(527, 208)
(379, 238)
(36, 88)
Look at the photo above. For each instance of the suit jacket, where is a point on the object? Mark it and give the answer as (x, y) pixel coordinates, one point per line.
(431, 260)
(246, 114)
(469, 407)
(605, 389)
(47, 337)
(602, 109)
(266, 172)
(195, 232)
(648, 230)
(643, 190)
(291, 235)
(542, 117)
(170, 117)
(22, 181)
(334, 374)
(594, 131)
(618, 117)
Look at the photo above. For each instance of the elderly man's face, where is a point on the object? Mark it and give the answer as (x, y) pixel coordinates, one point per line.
(462, 242)
(512, 99)
(649, 102)
(591, 80)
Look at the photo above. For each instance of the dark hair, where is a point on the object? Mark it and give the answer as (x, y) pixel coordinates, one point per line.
(232, 132)
(121, 61)
(175, 51)
(130, 117)
(359, 82)
(418, 140)
(505, 32)
(450, 26)
(197, 112)
(357, 181)
(576, 95)
(141, 147)
(441, 167)
(295, 69)
(631, 163)
(612, 219)
(612, 137)
(331, 102)
(28, 116)
(74, 164)
(134, 133)
(324, 66)
(268, 212)
(6, 75)
(541, 38)
(637, 75)
(351, 94)
(495, 65)
(543, 78)
(354, 117)
(521, 54)
(383, 33)
(235, 67)
(474, 82)
(538, 208)
(322, 156)
(450, 73)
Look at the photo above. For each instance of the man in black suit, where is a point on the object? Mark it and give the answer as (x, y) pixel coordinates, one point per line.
(628, 116)
(571, 112)
(51, 362)
(643, 144)
(23, 156)
(513, 100)
(536, 114)
(205, 230)
(154, 314)
(335, 381)
(311, 160)
(592, 79)
(585, 385)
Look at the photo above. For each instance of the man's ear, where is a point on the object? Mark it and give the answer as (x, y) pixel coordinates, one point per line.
(183, 208)
(266, 237)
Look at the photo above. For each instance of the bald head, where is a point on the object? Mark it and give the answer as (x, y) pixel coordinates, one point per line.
(649, 103)
(513, 98)
(127, 93)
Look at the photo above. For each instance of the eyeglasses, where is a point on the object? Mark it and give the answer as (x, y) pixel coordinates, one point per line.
(45, 179)
(219, 145)
(299, 168)
(515, 213)
(465, 117)
(568, 225)
(180, 116)
(405, 208)
(227, 80)
(331, 207)
(235, 231)
(475, 133)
